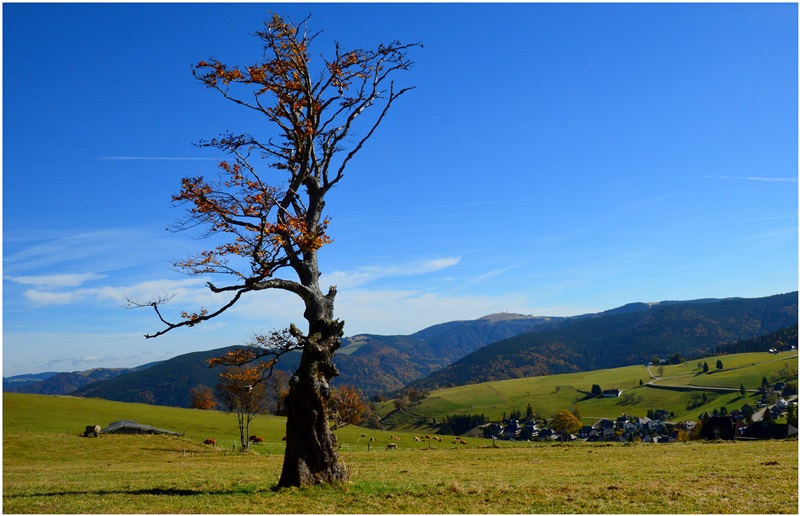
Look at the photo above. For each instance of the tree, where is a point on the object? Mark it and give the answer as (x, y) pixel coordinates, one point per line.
(346, 407)
(565, 422)
(742, 390)
(277, 388)
(268, 208)
(719, 365)
(791, 416)
(243, 394)
(597, 390)
(202, 398)
(705, 367)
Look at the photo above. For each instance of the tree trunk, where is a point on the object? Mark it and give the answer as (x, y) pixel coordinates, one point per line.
(311, 455)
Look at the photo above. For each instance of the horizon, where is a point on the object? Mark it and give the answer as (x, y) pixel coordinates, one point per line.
(651, 303)
(557, 159)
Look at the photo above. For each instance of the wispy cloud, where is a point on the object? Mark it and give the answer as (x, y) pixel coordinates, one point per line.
(56, 280)
(759, 179)
(151, 158)
(190, 290)
(367, 274)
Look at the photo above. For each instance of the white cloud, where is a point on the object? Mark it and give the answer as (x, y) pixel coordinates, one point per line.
(56, 280)
(401, 312)
(759, 179)
(151, 158)
(363, 275)
(188, 289)
(772, 179)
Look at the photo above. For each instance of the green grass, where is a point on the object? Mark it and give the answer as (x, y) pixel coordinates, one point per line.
(59, 472)
(549, 394)
(49, 468)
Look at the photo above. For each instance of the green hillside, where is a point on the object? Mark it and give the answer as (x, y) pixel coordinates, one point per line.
(548, 394)
(33, 414)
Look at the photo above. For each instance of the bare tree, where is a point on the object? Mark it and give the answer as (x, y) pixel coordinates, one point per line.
(268, 206)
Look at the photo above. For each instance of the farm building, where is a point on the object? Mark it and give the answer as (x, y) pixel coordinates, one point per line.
(126, 426)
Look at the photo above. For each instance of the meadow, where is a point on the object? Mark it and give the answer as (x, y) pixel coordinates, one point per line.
(49, 468)
(549, 394)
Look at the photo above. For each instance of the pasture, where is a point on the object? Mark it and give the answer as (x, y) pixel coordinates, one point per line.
(549, 394)
(48, 468)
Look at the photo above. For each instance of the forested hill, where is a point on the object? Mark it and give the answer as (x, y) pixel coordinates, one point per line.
(373, 363)
(634, 334)
(381, 364)
(528, 345)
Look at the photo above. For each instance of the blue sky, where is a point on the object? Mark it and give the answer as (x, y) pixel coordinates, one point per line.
(554, 159)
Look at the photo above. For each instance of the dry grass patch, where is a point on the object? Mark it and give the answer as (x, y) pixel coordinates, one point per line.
(69, 474)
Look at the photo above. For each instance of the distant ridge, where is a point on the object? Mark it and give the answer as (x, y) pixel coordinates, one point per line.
(631, 334)
(495, 346)
(506, 316)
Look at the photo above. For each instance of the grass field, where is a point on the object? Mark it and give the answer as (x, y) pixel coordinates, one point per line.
(48, 468)
(549, 394)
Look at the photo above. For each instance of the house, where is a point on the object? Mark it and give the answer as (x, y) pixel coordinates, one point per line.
(547, 434)
(604, 424)
(661, 415)
(762, 430)
(512, 429)
(585, 432)
(492, 430)
(611, 393)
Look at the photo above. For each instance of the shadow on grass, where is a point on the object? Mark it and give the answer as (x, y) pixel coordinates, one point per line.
(156, 491)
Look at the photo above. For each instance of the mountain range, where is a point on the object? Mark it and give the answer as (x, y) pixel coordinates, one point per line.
(498, 346)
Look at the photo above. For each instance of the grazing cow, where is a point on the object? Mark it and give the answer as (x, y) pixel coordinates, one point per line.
(363, 435)
(212, 442)
(427, 436)
(416, 438)
(391, 446)
(463, 441)
(372, 439)
(91, 430)
(256, 439)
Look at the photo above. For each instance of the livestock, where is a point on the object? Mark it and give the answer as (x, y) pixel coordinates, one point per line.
(372, 439)
(91, 430)
(212, 442)
(363, 435)
(391, 446)
(416, 438)
(256, 439)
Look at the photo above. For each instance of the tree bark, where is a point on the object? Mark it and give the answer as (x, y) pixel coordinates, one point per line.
(311, 455)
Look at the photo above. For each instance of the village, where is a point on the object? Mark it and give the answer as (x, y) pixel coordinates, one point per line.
(746, 422)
